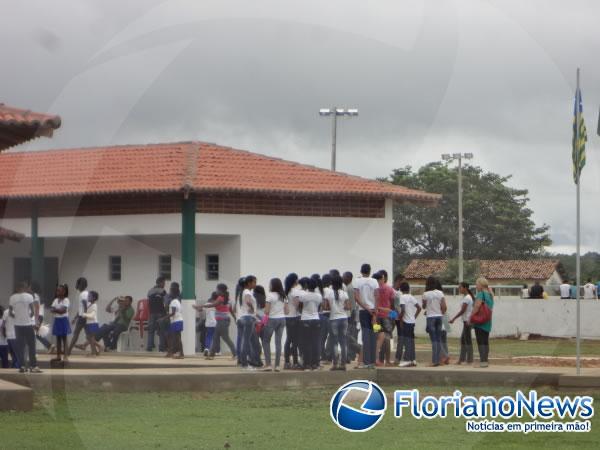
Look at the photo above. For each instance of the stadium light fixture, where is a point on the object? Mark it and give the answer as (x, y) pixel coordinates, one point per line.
(334, 113)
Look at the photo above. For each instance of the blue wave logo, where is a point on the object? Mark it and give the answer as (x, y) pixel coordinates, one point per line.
(370, 413)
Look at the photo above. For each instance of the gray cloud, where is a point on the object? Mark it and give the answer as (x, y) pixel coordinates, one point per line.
(491, 77)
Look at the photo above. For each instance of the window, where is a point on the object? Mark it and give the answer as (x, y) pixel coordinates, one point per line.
(114, 268)
(164, 266)
(212, 267)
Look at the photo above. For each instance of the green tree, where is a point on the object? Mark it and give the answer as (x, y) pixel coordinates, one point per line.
(497, 222)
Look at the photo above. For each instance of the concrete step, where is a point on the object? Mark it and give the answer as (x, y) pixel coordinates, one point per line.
(15, 397)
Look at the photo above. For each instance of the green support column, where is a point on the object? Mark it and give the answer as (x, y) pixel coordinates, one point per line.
(37, 250)
(188, 272)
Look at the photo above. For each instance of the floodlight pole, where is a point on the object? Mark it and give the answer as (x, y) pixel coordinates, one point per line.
(459, 157)
(334, 112)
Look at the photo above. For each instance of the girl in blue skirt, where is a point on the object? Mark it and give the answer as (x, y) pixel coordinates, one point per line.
(61, 327)
(91, 323)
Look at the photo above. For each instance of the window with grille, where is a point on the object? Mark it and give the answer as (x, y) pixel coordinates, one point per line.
(114, 268)
(212, 267)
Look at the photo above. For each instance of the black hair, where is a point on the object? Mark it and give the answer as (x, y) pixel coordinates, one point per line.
(174, 289)
(160, 280)
(304, 282)
(365, 269)
(465, 285)
(222, 288)
(384, 273)
(326, 280)
(334, 272)
(1, 311)
(289, 282)
(248, 280)
(239, 289)
(431, 283)
(404, 287)
(35, 287)
(93, 296)
(336, 285)
(378, 275)
(317, 278)
(311, 284)
(275, 285)
(348, 275)
(261, 296)
(438, 285)
(81, 284)
(65, 286)
(525, 285)
(398, 277)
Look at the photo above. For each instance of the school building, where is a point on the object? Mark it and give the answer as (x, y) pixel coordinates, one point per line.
(195, 212)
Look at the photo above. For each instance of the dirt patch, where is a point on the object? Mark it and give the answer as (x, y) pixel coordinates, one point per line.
(554, 361)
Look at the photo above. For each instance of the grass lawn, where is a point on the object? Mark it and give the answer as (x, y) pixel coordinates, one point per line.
(514, 347)
(245, 420)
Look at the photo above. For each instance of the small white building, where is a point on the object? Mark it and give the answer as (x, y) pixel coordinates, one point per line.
(122, 215)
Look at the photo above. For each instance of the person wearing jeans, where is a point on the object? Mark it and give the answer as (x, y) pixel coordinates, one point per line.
(338, 330)
(311, 325)
(339, 306)
(156, 305)
(275, 306)
(364, 294)
(292, 322)
(22, 308)
(222, 312)
(466, 309)
(482, 330)
(434, 304)
(247, 325)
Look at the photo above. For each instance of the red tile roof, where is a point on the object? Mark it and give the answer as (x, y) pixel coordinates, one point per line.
(11, 235)
(531, 269)
(175, 167)
(21, 125)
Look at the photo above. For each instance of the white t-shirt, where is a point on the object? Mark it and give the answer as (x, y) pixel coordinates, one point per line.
(9, 325)
(337, 306)
(589, 291)
(434, 303)
(177, 317)
(57, 303)
(210, 319)
(295, 293)
(21, 305)
(410, 308)
(366, 287)
(248, 306)
(91, 316)
(277, 306)
(467, 300)
(565, 290)
(36, 299)
(83, 299)
(310, 305)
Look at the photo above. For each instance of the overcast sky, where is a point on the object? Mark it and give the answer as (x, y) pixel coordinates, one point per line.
(491, 77)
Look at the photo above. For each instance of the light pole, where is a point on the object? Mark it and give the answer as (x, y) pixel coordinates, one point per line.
(334, 113)
(459, 157)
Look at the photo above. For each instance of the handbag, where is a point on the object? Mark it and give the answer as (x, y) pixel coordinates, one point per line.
(483, 315)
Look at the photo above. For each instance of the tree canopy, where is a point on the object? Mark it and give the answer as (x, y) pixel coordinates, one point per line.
(496, 220)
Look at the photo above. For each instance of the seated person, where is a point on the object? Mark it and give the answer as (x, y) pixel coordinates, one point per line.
(536, 291)
(109, 332)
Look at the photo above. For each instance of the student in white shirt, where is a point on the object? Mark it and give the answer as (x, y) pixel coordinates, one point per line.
(210, 325)
(339, 304)
(3, 342)
(565, 290)
(326, 349)
(589, 290)
(311, 324)
(409, 311)
(275, 322)
(292, 323)
(466, 309)
(364, 290)
(8, 330)
(91, 322)
(434, 305)
(246, 313)
(23, 310)
(61, 327)
(176, 327)
(79, 321)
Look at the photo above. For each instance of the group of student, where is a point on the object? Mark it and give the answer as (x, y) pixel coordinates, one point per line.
(322, 316)
(22, 323)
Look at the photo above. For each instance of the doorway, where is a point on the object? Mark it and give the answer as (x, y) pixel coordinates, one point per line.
(22, 272)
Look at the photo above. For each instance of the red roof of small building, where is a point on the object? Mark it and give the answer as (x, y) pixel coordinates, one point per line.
(178, 167)
(21, 125)
(11, 235)
(514, 269)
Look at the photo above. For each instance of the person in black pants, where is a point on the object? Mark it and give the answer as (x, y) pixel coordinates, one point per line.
(156, 305)
(311, 325)
(79, 321)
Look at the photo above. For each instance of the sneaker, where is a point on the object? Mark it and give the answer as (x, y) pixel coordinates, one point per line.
(414, 364)
(277, 369)
(362, 366)
(484, 364)
(342, 368)
(205, 352)
(267, 369)
(22, 370)
(36, 369)
(405, 364)
(249, 368)
(287, 366)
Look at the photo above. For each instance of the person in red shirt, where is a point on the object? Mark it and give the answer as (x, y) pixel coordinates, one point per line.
(384, 302)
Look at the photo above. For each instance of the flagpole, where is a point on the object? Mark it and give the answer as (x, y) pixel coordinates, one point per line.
(578, 254)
